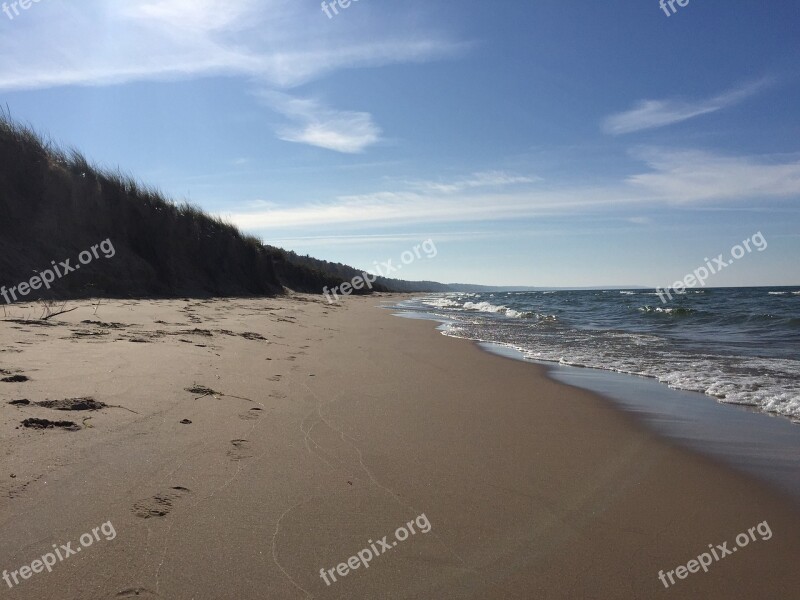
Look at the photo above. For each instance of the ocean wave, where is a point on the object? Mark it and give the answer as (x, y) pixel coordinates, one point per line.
(769, 385)
(734, 346)
(487, 307)
(441, 303)
(484, 307)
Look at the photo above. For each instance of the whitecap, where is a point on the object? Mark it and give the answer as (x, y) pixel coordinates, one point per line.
(495, 309)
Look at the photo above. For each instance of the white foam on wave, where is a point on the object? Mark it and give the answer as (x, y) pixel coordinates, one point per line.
(484, 307)
(772, 385)
(662, 310)
(773, 389)
(487, 307)
(441, 302)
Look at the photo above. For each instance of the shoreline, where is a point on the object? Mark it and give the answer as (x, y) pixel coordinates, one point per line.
(763, 445)
(701, 344)
(330, 425)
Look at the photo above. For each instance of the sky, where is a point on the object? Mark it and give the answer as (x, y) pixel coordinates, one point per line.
(538, 142)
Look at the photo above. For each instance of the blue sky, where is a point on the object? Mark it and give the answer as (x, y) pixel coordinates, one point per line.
(600, 143)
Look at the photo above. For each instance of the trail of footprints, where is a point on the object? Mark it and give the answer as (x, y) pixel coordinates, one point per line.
(161, 504)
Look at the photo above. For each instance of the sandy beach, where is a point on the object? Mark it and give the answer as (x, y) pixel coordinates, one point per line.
(238, 447)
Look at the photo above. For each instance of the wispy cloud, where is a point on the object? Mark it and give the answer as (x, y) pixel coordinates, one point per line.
(674, 177)
(650, 114)
(280, 43)
(482, 179)
(380, 240)
(317, 125)
(197, 16)
(691, 176)
(270, 44)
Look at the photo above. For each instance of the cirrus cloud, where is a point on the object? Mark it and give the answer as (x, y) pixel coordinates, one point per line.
(272, 45)
(650, 114)
(673, 178)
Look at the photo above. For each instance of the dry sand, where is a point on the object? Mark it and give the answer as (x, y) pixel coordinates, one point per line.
(313, 429)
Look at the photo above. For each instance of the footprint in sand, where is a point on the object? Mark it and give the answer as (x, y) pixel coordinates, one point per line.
(240, 450)
(159, 505)
(252, 414)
